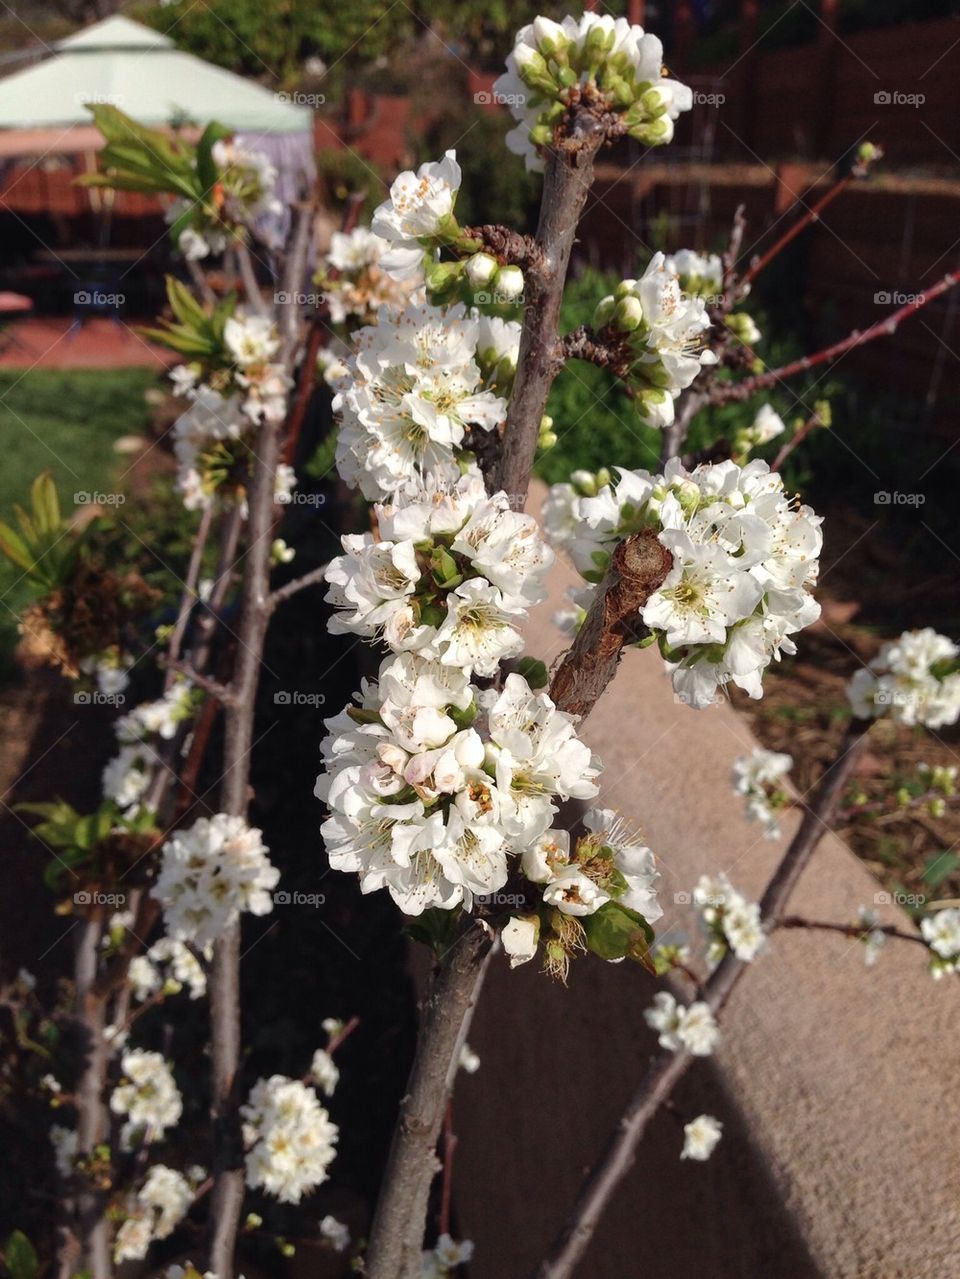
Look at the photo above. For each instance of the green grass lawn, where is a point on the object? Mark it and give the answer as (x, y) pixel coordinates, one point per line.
(65, 422)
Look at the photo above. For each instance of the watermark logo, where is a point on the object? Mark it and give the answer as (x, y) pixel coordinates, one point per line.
(491, 98)
(511, 900)
(296, 498)
(100, 299)
(709, 99)
(297, 898)
(83, 99)
(910, 900)
(885, 498)
(485, 298)
(96, 898)
(301, 99)
(297, 697)
(95, 697)
(83, 498)
(895, 298)
(896, 98)
(299, 299)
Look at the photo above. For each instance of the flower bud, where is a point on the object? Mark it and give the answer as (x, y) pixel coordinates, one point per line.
(509, 283)
(604, 311)
(550, 37)
(628, 314)
(480, 269)
(533, 71)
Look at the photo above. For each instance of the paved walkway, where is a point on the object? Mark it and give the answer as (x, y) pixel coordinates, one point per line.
(837, 1084)
(51, 342)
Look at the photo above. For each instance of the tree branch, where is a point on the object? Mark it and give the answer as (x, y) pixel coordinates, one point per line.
(396, 1236)
(724, 393)
(639, 566)
(567, 181)
(668, 1068)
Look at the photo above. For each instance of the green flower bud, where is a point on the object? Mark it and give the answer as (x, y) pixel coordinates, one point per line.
(604, 311)
(628, 314)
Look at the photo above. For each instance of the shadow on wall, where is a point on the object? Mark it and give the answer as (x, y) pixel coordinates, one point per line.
(557, 1067)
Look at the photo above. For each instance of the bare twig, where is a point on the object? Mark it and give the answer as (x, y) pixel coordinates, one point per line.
(850, 930)
(92, 1117)
(725, 392)
(668, 1068)
(250, 286)
(189, 595)
(289, 589)
(811, 214)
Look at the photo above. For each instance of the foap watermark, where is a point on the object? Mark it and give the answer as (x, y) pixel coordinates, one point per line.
(83, 99)
(296, 498)
(301, 99)
(896, 298)
(94, 897)
(511, 900)
(491, 98)
(296, 898)
(487, 298)
(895, 498)
(897, 98)
(708, 99)
(95, 697)
(908, 900)
(98, 298)
(299, 299)
(84, 498)
(298, 697)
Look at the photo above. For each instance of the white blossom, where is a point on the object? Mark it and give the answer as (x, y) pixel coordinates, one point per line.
(520, 936)
(323, 1071)
(159, 1206)
(731, 920)
(757, 776)
(412, 390)
(445, 1257)
(211, 872)
(358, 285)
(431, 810)
(419, 210)
(335, 1233)
(692, 1029)
(168, 965)
(469, 1061)
(941, 932)
(147, 1096)
(914, 679)
(289, 1138)
(700, 1137)
(745, 558)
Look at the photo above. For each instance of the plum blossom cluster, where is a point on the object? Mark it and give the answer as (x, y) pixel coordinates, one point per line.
(418, 217)
(434, 785)
(731, 921)
(212, 438)
(596, 59)
(700, 1137)
(168, 966)
(744, 559)
(450, 576)
(914, 679)
(598, 894)
(155, 1211)
(412, 390)
(941, 932)
(682, 1029)
(289, 1138)
(758, 777)
(146, 1096)
(242, 193)
(127, 777)
(663, 330)
(356, 283)
(209, 873)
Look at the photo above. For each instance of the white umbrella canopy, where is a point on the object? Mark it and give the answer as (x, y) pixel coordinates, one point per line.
(140, 71)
